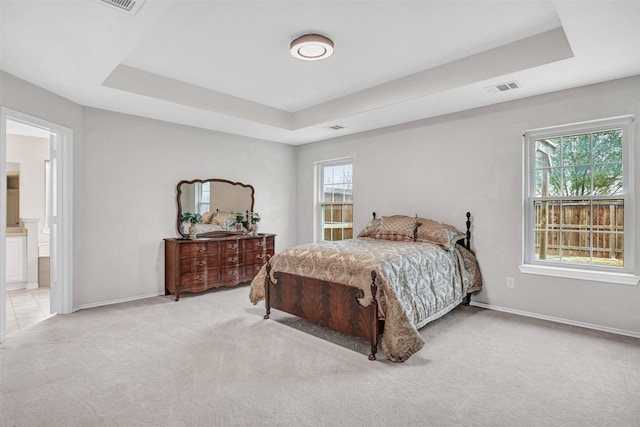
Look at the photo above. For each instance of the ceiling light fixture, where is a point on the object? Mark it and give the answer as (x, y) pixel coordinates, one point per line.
(311, 47)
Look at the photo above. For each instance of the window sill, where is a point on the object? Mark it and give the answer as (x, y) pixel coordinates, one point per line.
(571, 273)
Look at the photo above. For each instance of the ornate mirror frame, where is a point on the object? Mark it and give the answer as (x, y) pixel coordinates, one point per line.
(225, 186)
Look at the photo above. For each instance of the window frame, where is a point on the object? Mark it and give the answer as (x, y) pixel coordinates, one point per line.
(202, 206)
(319, 191)
(621, 275)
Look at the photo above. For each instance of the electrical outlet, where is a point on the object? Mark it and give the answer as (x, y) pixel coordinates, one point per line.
(511, 283)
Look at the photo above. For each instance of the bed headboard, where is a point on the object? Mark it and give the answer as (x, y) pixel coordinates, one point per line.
(466, 242)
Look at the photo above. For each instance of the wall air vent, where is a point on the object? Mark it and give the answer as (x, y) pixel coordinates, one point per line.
(503, 87)
(130, 6)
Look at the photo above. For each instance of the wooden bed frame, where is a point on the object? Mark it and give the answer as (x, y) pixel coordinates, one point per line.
(331, 304)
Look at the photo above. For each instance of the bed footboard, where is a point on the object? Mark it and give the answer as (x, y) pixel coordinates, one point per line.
(329, 304)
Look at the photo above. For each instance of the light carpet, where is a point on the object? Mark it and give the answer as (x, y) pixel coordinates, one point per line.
(211, 360)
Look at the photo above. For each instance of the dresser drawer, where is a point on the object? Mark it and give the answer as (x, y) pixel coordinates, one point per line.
(255, 258)
(259, 244)
(230, 276)
(196, 278)
(199, 248)
(229, 260)
(198, 263)
(230, 246)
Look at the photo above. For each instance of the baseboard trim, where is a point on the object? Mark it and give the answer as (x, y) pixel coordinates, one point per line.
(116, 301)
(15, 286)
(557, 319)
(31, 286)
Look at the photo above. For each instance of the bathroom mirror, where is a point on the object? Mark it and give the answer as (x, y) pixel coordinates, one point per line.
(211, 195)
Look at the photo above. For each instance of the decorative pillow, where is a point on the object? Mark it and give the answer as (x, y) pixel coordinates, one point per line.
(371, 229)
(223, 218)
(207, 217)
(438, 233)
(397, 227)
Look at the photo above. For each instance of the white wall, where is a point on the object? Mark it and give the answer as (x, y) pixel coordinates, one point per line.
(31, 153)
(126, 196)
(440, 167)
(125, 174)
(472, 161)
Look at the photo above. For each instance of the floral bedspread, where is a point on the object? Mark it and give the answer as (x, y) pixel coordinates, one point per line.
(417, 282)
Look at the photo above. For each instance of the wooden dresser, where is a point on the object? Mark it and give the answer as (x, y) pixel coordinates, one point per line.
(204, 263)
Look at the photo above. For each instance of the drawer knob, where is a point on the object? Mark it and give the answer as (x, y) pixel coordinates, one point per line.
(260, 243)
(200, 277)
(233, 246)
(201, 249)
(233, 259)
(201, 263)
(233, 273)
(260, 256)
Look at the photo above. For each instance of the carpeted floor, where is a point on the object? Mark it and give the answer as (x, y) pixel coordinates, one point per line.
(211, 360)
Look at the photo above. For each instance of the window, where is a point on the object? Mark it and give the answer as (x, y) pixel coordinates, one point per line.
(203, 197)
(578, 197)
(335, 200)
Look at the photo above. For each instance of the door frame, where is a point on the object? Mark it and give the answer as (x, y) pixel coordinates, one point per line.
(61, 281)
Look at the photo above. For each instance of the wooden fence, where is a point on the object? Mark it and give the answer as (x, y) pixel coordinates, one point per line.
(338, 222)
(605, 234)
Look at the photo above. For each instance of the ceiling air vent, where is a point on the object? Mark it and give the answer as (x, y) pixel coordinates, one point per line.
(336, 127)
(503, 87)
(131, 6)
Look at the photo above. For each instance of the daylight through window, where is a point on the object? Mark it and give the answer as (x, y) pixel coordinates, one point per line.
(577, 194)
(335, 200)
(203, 197)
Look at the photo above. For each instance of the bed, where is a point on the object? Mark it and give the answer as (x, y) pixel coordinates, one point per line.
(212, 222)
(383, 286)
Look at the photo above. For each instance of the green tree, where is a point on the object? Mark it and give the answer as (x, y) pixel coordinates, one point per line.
(574, 166)
(566, 165)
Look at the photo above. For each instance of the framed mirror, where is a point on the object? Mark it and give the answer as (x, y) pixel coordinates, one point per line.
(213, 195)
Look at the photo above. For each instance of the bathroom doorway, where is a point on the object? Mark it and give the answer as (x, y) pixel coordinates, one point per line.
(28, 225)
(36, 162)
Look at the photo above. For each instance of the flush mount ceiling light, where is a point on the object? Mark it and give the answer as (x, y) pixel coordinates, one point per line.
(311, 47)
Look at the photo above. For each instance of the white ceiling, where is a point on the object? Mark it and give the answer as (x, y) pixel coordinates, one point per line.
(225, 65)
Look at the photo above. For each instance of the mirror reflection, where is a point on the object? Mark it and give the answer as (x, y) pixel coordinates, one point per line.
(216, 200)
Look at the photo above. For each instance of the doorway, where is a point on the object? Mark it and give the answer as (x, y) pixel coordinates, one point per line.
(51, 252)
(28, 226)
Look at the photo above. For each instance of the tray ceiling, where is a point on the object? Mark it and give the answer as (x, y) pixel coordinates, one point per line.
(226, 65)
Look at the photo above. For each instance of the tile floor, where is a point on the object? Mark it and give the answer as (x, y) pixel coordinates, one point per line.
(26, 307)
